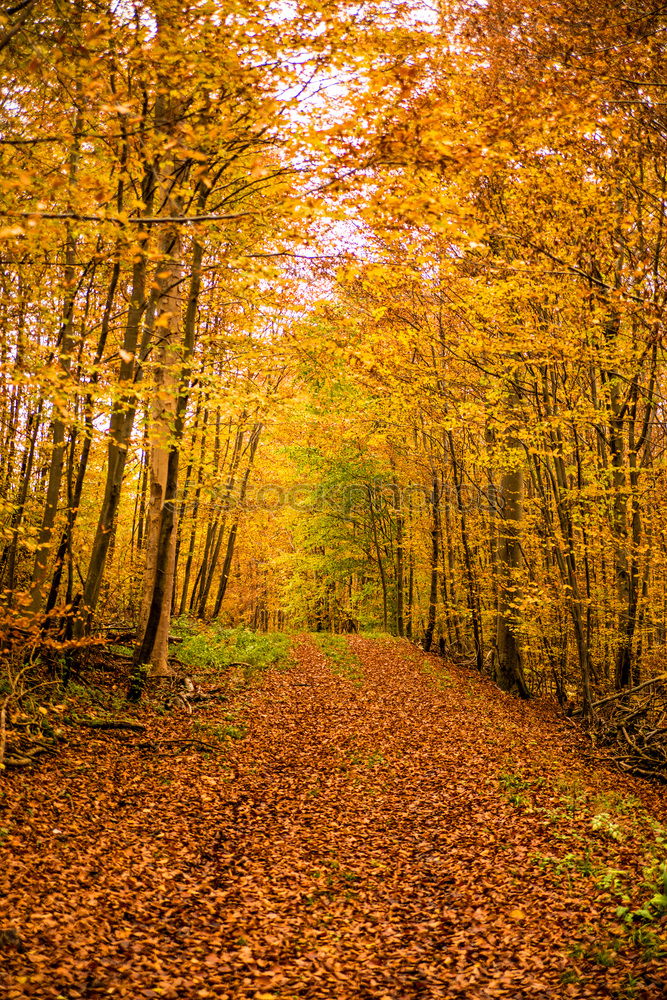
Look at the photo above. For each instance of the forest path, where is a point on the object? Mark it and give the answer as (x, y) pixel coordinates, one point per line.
(389, 827)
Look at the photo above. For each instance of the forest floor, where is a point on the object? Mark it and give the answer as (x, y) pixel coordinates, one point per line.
(366, 822)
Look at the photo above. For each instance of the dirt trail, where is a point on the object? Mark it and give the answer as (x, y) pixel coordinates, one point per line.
(409, 833)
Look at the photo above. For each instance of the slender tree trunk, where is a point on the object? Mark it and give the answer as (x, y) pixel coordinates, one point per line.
(10, 552)
(411, 575)
(15, 397)
(564, 555)
(184, 501)
(231, 541)
(509, 668)
(193, 530)
(400, 573)
(473, 602)
(449, 573)
(215, 548)
(74, 501)
(65, 349)
(435, 556)
(123, 412)
(143, 491)
(378, 554)
(411, 593)
(623, 665)
(628, 664)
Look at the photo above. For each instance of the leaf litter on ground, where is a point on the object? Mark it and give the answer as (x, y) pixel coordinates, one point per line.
(402, 830)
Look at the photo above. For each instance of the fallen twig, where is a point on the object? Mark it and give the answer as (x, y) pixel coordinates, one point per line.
(184, 742)
(626, 692)
(134, 727)
(3, 732)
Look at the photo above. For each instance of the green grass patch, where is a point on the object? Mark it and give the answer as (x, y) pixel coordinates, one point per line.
(86, 699)
(218, 650)
(379, 636)
(120, 650)
(341, 659)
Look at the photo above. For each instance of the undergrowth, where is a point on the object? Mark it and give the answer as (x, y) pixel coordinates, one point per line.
(590, 825)
(214, 649)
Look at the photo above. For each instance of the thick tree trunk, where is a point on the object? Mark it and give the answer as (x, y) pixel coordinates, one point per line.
(152, 647)
(171, 401)
(161, 536)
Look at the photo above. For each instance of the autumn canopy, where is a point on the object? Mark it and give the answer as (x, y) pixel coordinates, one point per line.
(333, 330)
(336, 316)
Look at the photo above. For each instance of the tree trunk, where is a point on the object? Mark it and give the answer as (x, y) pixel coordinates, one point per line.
(400, 573)
(65, 348)
(435, 556)
(74, 499)
(153, 629)
(193, 530)
(10, 552)
(123, 412)
(231, 541)
(185, 498)
(509, 669)
(473, 601)
(383, 576)
(170, 410)
(215, 545)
